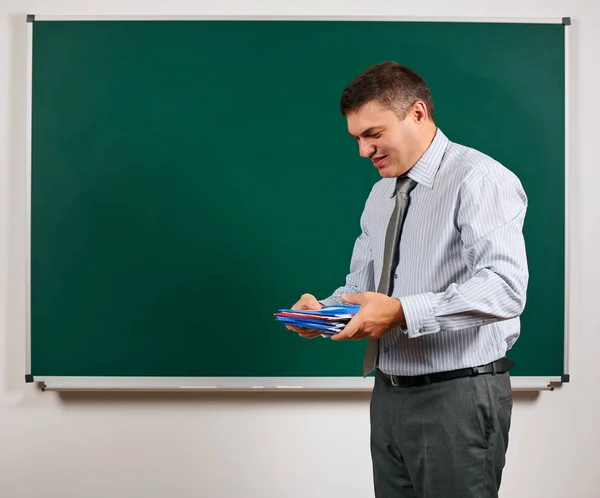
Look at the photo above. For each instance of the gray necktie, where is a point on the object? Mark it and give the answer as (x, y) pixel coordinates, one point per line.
(390, 259)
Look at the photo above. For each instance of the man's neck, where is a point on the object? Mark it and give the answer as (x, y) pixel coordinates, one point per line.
(428, 135)
(424, 141)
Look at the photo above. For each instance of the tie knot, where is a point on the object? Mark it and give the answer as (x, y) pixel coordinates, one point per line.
(404, 184)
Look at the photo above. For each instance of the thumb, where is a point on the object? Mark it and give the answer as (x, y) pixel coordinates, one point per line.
(354, 298)
(311, 302)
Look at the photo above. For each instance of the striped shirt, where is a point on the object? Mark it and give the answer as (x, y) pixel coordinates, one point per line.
(462, 272)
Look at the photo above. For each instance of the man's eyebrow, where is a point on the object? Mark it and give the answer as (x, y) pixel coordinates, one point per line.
(368, 131)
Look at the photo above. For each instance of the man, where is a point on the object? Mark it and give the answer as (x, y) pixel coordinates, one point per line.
(439, 326)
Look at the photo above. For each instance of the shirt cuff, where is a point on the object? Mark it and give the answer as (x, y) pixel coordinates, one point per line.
(330, 301)
(419, 314)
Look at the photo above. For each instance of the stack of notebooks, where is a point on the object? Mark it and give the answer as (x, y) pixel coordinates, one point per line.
(329, 319)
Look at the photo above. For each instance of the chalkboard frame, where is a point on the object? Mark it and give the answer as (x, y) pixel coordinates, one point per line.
(271, 383)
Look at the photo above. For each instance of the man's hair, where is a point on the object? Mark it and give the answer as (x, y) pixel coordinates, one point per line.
(391, 85)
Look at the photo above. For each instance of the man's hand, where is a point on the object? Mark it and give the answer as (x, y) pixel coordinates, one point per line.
(306, 302)
(378, 313)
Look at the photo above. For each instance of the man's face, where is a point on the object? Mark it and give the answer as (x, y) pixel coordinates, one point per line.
(391, 144)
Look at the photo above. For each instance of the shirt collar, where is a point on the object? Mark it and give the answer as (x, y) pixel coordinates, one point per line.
(424, 171)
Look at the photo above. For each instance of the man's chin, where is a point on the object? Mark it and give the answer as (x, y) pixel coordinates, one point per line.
(385, 172)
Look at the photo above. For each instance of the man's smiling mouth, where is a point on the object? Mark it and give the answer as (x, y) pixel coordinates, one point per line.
(378, 161)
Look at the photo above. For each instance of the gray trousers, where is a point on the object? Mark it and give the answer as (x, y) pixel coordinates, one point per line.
(442, 440)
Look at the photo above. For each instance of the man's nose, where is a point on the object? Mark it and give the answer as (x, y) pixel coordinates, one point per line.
(366, 149)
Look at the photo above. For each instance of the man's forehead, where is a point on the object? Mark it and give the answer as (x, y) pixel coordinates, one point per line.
(361, 126)
(371, 115)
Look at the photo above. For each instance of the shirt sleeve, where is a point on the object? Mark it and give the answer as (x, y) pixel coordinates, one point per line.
(360, 277)
(490, 217)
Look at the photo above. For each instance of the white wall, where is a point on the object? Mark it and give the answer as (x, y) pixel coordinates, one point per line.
(263, 445)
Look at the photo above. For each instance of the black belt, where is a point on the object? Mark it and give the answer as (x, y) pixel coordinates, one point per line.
(499, 366)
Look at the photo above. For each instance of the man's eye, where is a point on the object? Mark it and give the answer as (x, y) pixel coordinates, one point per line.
(377, 135)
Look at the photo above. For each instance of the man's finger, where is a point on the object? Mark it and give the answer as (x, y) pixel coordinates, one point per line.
(304, 331)
(294, 328)
(354, 298)
(309, 333)
(348, 331)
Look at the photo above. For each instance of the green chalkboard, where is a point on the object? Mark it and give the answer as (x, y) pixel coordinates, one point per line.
(189, 178)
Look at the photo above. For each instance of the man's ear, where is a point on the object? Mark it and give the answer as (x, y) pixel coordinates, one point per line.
(419, 111)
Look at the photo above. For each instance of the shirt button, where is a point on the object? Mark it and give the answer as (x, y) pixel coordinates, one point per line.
(395, 276)
(386, 349)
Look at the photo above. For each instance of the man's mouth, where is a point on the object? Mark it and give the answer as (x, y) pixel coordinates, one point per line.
(378, 161)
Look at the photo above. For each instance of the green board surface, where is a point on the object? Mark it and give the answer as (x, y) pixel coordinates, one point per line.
(189, 178)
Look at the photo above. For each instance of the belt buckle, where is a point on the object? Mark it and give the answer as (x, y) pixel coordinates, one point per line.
(393, 381)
